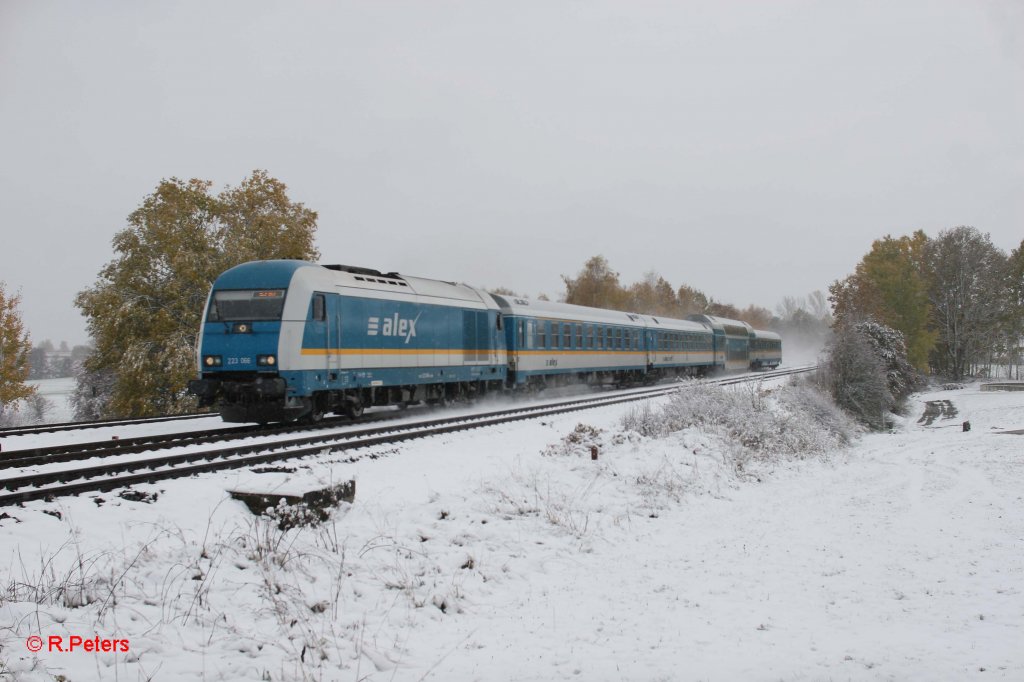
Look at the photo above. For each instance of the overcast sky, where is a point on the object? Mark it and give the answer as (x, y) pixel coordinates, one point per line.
(750, 149)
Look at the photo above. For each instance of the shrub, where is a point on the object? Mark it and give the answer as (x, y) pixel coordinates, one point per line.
(795, 420)
(867, 372)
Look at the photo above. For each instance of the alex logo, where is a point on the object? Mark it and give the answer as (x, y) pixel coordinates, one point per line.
(392, 326)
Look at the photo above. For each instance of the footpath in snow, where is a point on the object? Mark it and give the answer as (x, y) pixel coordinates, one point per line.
(509, 554)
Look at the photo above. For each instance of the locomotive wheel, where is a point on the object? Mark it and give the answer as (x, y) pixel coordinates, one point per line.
(316, 414)
(354, 409)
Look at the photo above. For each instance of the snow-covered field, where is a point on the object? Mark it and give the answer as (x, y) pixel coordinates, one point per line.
(508, 553)
(57, 406)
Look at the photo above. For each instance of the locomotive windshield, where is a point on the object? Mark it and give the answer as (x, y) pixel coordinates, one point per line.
(246, 305)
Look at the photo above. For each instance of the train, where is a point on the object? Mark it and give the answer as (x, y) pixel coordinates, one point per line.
(283, 340)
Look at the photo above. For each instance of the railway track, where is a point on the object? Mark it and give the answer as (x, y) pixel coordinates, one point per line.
(118, 468)
(72, 452)
(97, 424)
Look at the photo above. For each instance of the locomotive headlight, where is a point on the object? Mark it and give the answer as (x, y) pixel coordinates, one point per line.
(266, 360)
(212, 361)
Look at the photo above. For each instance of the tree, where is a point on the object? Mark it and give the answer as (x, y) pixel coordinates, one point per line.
(38, 363)
(723, 309)
(93, 392)
(890, 286)
(503, 291)
(653, 296)
(596, 285)
(14, 352)
(971, 289)
(890, 348)
(819, 308)
(856, 378)
(36, 410)
(143, 312)
(257, 221)
(1013, 329)
(856, 370)
(757, 317)
(804, 321)
(691, 301)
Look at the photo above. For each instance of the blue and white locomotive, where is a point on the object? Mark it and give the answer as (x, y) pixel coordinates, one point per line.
(283, 340)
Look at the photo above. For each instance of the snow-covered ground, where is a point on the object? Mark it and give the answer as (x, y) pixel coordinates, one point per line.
(57, 394)
(508, 553)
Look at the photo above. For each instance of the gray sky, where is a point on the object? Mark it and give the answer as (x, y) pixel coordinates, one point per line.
(750, 149)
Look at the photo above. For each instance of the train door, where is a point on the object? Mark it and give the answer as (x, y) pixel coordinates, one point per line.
(334, 344)
(720, 348)
(497, 330)
(318, 338)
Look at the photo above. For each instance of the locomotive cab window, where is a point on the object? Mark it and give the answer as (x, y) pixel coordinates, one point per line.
(246, 305)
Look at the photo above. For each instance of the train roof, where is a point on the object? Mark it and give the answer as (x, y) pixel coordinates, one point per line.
(552, 310)
(366, 278)
(515, 305)
(279, 274)
(734, 327)
(268, 274)
(764, 334)
(674, 325)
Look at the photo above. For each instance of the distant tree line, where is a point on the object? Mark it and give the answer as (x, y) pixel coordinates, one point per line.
(597, 285)
(957, 299)
(49, 362)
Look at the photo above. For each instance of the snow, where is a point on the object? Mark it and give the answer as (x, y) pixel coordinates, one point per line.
(508, 553)
(56, 392)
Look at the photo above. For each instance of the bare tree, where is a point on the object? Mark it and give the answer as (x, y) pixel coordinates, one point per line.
(819, 306)
(969, 293)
